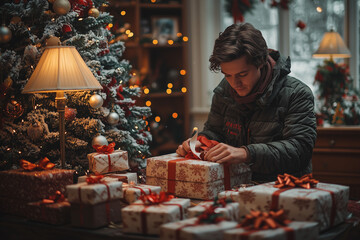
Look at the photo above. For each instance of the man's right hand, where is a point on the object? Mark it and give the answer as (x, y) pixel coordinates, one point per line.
(184, 148)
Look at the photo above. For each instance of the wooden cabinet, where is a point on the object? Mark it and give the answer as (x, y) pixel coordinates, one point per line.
(156, 46)
(336, 157)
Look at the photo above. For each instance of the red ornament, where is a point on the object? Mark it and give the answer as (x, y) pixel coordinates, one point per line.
(81, 7)
(66, 28)
(140, 141)
(301, 25)
(70, 114)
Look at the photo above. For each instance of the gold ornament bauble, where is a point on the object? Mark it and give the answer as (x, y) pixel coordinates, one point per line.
(96, 101)
(13, 109)
(93, 12)
(53, 41)
(113, 118)
(61, 7)
(5, 34)
(99, 140)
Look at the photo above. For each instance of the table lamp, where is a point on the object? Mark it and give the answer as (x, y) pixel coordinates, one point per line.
(332, 46)
(61, 69)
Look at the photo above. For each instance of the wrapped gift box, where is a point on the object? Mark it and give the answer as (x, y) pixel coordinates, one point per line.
(126, 177)
(325, 204)
(91, 194)
(95, 216)
(112, 162)
(230, 212)
(13, 206)
(194, 178)
(188, 229)
(299, 231)
(147, 219)
(232, 195)
(52, 213)
(31, 186)
(133, 192)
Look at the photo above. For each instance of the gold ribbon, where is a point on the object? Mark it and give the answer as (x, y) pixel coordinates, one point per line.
(44, 164)
(288, 181)
(258, 220)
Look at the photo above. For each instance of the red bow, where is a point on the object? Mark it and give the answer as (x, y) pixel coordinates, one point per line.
(56, 198)
(44, 164)
(94, 179)
(307, 181)
(257, 220)
(206, 146)
(153, 198)
(107, 149)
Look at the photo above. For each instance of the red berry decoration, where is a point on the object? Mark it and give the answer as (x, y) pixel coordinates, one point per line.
(66, 28)
(81, 7)
(301, 25)
(70, 114)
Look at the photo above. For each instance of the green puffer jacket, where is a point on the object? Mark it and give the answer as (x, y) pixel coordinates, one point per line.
(279, 129)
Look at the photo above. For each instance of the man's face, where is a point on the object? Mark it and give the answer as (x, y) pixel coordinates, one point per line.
(241, 76)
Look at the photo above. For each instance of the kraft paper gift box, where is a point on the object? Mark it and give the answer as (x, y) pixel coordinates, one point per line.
(126, 177)
(189, 229)
(147, 219)
(108, 162)
(132, 192)
(57, 213)
(230, 212)
(325, 204)
(294, 231)
(31, 186)
(194, 178)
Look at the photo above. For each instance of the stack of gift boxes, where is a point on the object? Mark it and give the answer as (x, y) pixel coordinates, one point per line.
(290, 208)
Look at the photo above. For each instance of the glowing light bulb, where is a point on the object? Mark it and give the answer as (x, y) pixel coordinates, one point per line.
(170, 42)
(183, 89)
(185, 38)
(146, 91)
(179, 34)
(319, 9)
(130, 34)
(155, 41)
(170, 85)
(175, 115)
(157, 119)
(127, 31)
(123, 13)
(168, 91)
(182, 72)
(153, 1)
(148, 103)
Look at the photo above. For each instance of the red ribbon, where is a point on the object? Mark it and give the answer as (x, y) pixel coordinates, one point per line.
(93, 179)
(56, 198)
(172, 174)
(105, 149)
(44, 164)
(206, 145)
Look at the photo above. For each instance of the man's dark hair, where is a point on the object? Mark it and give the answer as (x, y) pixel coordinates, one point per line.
(236, 41)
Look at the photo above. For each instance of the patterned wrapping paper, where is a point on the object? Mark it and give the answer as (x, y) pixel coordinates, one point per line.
(99, 162)
(147, 219)
(13, 206)
(96, 216)
(180, 230)
(126, 177)
(301, 231)
(35, 185)
(197, 190)
(54, 213)
(230, 212)
(94, 193)
(315, 204)
(133, 192)
(232, 195)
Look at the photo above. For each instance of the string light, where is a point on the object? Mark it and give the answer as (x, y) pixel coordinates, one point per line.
(146, 91)
(168, 91)
(182, 72)
(110, 25)
(128, 31)
(155, 41)
(157, 119)
(179, 34)
(130, 34)
(185, 38)
(153, 1)
(123, 13)
(146, 123)
(80, 19)
(148, 103)
(8, 149)
(170, 85)
(170, 42)
(183, 89)
(318, 9)
(175, 115)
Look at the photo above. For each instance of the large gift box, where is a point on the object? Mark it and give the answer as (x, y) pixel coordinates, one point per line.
(33, 186)
(132, 192)
(194, 178)
(229, 211)
(13, 206)
(126, 177)
(325, 204)
(107, 160)
(146, 218)
(190, 229)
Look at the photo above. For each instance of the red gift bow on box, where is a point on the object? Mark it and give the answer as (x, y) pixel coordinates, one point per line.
(93, 179)
(56, 198)
(257, 220)
(106, 149)
(288, 181)
(44, 164)
(153, 198)
(206, 145)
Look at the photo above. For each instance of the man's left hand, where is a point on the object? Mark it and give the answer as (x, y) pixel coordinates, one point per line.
(222, 153)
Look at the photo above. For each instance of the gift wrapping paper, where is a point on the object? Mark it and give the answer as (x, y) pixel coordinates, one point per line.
(293, 231)
(126, 177)
(112, 162)
(232, 195)
(31, 186)
(94, 193)
(133, 192)
(184, 230)
(147, 219)
(96, 216)
(52, 213)
(230, 212)
(325, 204)
(13, 206)
(197, 190)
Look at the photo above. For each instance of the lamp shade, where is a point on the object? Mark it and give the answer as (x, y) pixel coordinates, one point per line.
(332, 46)
(60, 69)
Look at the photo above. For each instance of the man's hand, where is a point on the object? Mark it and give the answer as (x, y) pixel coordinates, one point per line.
(184, 148)
(222, 153)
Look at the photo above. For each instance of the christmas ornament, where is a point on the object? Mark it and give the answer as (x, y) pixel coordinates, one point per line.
(70, 114)
(5, 34)
(53, 41)
(61, 7)
(301, 25)
(94, 12)
(81, 7)
(99, 140)
(96, 101)
(35, 131)
(13, 109)
(113, 118)
(66, 28)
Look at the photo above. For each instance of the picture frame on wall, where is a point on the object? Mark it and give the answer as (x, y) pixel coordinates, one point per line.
(164, 28)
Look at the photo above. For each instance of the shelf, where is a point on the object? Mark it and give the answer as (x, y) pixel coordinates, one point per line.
(160, 5)
(163, 95)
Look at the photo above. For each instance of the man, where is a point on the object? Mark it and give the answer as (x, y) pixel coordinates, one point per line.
(259, 114)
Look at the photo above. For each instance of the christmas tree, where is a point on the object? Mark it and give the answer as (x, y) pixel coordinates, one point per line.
(29, 123)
